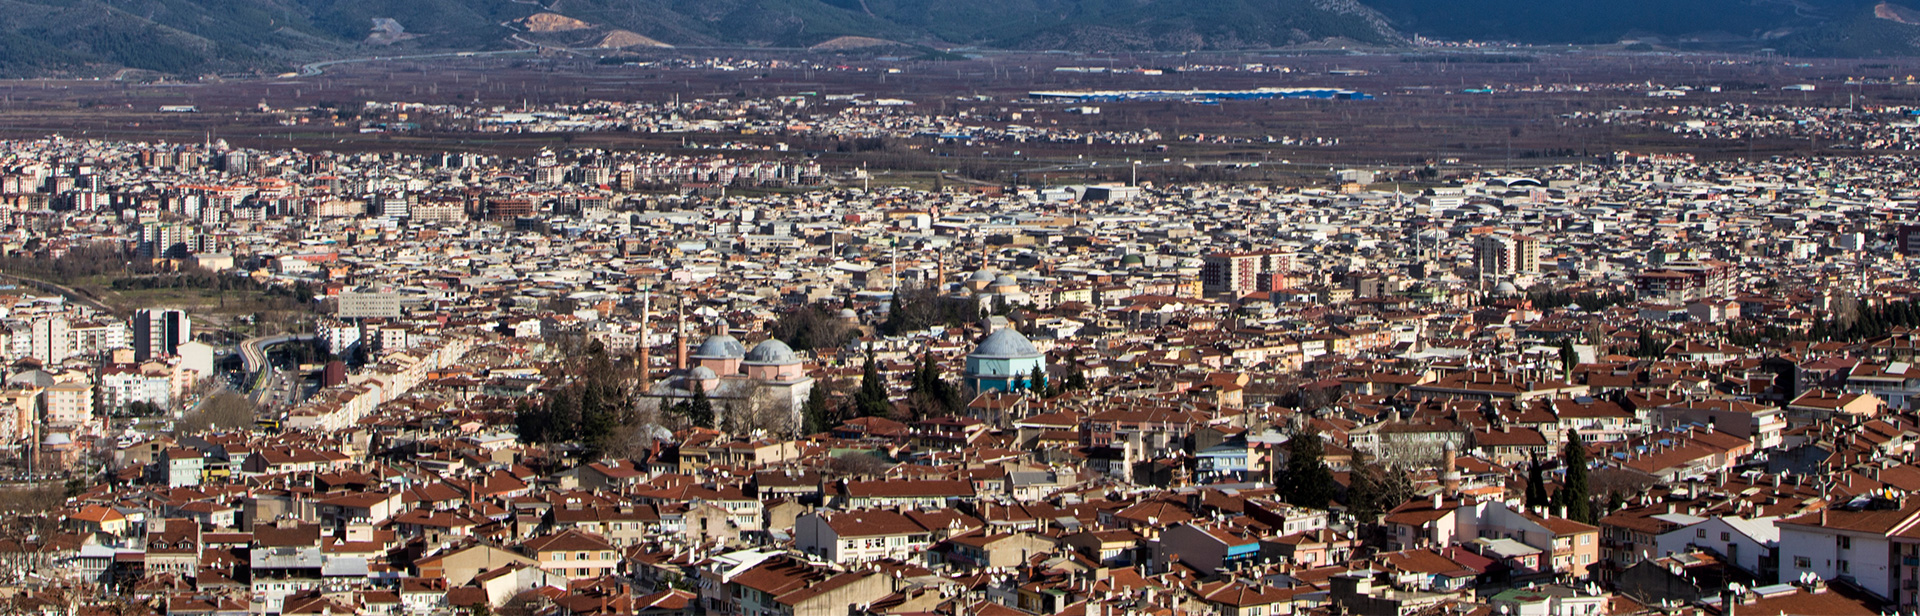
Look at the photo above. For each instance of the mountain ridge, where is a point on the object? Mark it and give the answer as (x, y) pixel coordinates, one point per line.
(201, 36)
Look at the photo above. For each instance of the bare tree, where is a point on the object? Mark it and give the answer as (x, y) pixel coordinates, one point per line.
(227, 411)
(759, 410)
(858, 464)
(1399, 450)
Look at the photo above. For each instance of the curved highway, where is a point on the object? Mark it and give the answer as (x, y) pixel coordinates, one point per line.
(253, 351)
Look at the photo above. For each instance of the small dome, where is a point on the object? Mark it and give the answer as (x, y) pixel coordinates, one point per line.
(58, 438)
(703, 373)
(1006, 343)
(720, 346)
(772, 352)
(1505, 288)
(1005, 281)
(981, 276)
(1133, 260)
(848, 313)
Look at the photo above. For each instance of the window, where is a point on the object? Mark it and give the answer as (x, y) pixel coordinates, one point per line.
(559, 555)
(1843, 566)
(1586, 540)
(1723, 536)
(1700, 533)
(1846, 543)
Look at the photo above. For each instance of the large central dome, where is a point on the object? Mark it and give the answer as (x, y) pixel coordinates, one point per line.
(1006, 343)
(720, 346)
(772, 352)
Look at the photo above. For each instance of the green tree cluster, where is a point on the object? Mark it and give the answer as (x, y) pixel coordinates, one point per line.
(1306, 481)
(1589, 301)
(584, 411)
(932, 395)
(813, 326)
(923, 308)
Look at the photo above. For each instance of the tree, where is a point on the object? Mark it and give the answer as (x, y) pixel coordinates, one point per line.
(1574, 493)
(1647, 347)
(872, 399)
(697, 409)
(1536, 485)
(813, 414)
(857, 463)
(1363, 491)
(930, 394)
(225, 411)
(1568, 358)
(1307, 482)
(812, 327)
(1037, 382)
(1076, 380)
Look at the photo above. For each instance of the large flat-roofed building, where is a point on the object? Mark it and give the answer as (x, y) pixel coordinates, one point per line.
(369, 305)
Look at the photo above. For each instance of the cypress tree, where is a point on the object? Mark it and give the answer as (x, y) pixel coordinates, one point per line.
(1574, 494)
(699, 409)
(1536, 485)
(1309, 482)
(1037, 382)
(871, 401)
(1363, 493)
(813, 414)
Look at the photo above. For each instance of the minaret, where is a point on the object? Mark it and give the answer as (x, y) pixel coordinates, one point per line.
(1450, 471)
(680, 338)
(646, 355)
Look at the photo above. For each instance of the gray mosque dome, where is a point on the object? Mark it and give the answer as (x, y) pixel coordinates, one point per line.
(773, 352)
(1005, 281)
(720, 346)
(1006, 343)
(703, 373)
(981, 276)
(848, 313)
(1505, 288)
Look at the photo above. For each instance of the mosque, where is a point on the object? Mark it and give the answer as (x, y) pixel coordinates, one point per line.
(735, 378)
(1004, 361)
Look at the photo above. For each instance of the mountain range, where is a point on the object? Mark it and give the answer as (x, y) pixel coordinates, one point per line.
(199, 36)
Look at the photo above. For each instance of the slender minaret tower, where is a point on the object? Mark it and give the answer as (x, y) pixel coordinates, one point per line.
(1450, 471)
(680, 338)
(646, 350)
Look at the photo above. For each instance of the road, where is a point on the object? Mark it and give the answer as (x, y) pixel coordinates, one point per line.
(315, 69)
(63, 290)
(253, 351)
(267, 386)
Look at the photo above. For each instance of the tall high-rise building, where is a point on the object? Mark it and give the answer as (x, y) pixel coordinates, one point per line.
(159, 332)
(1498, 255)
(1238, 273)
(51, 340)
